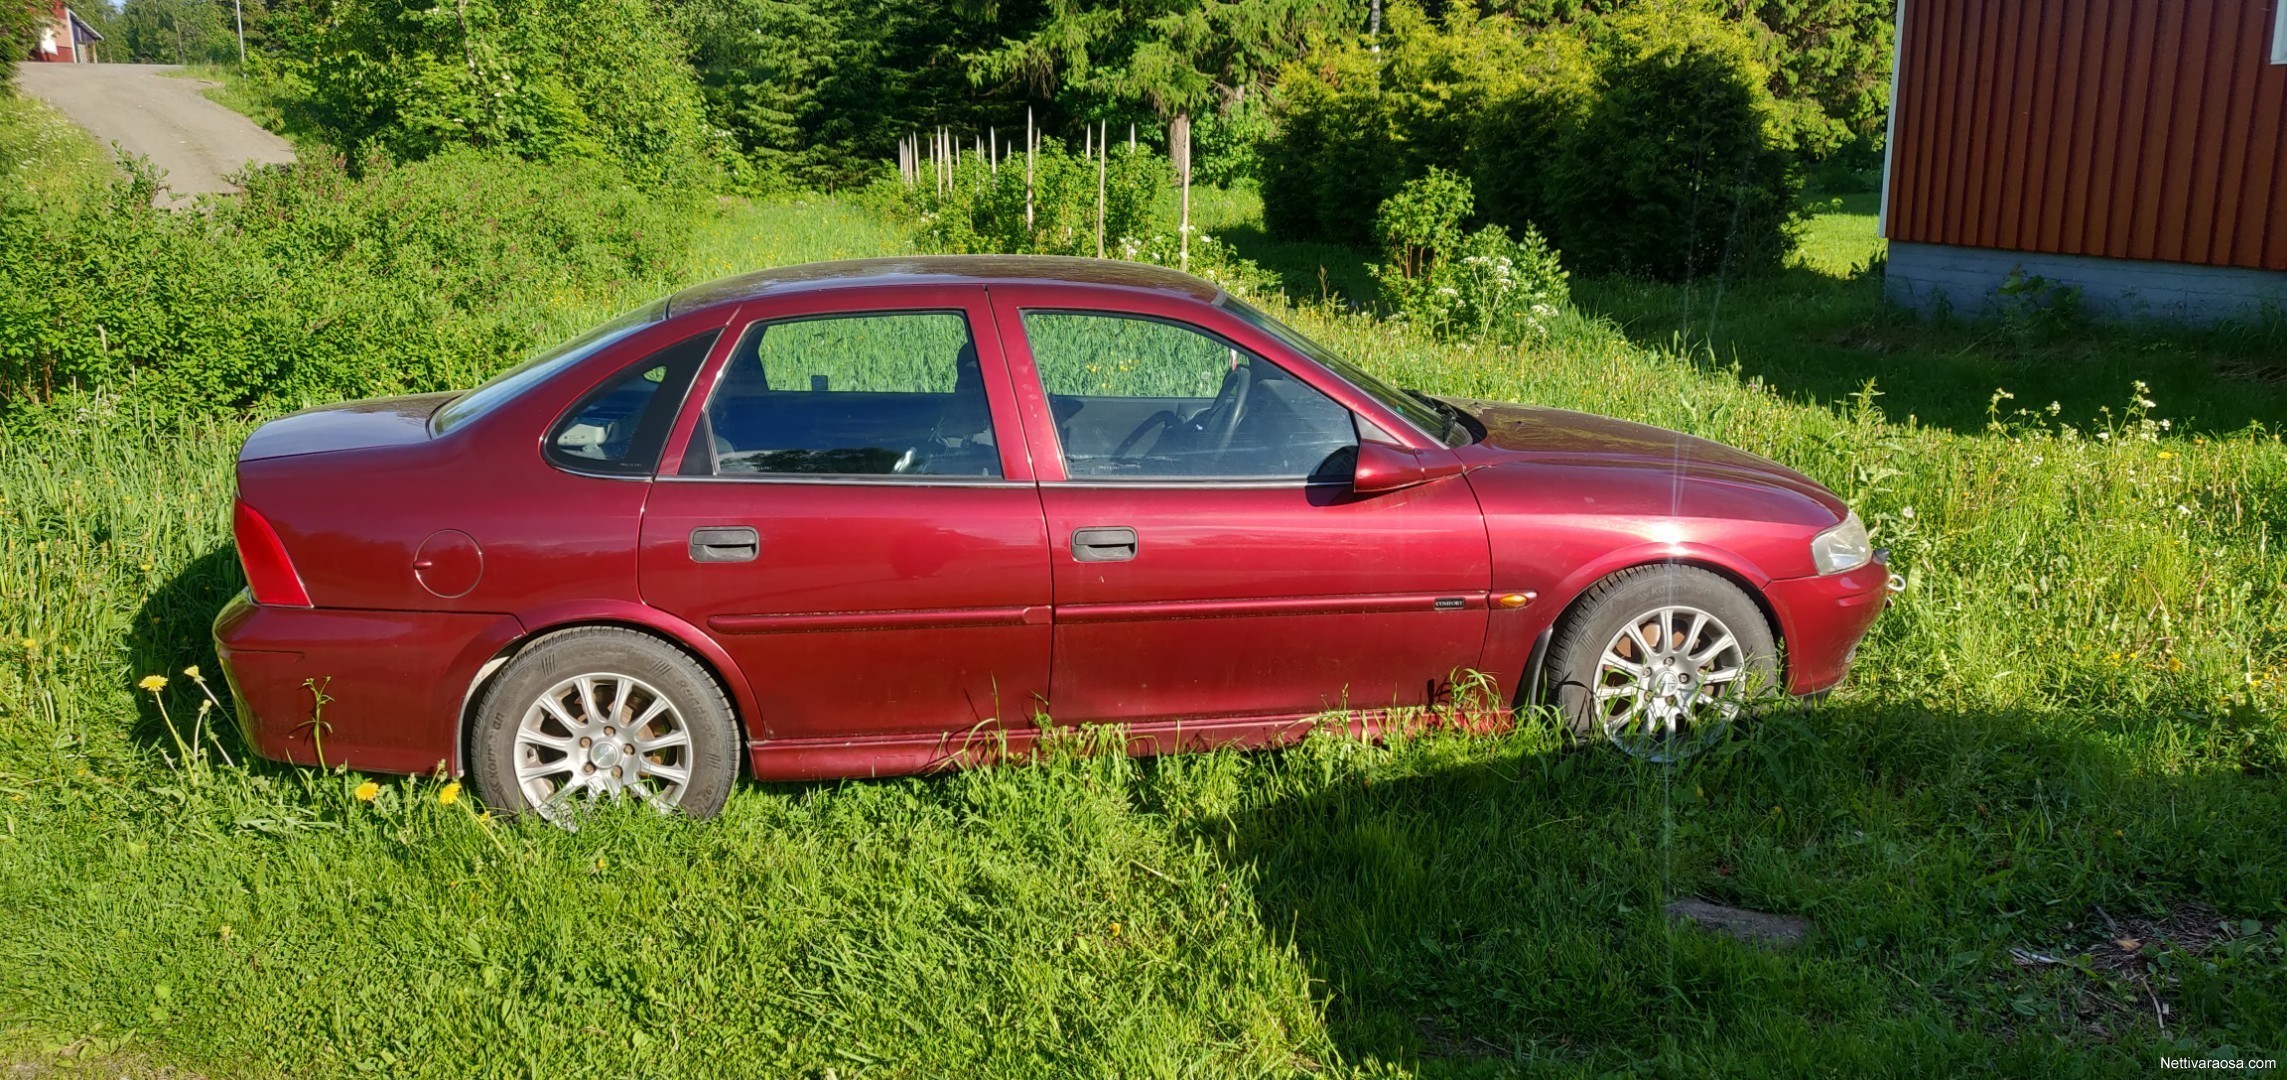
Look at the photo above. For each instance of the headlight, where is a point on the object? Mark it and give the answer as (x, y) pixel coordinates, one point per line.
(1843, 547)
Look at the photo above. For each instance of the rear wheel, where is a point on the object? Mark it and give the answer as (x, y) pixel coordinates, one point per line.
(1658, 660)
(601, 713)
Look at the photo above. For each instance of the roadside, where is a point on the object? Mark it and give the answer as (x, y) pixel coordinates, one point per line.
(142, 111)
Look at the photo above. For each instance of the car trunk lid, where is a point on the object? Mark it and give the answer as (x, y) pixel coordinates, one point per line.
(353, 425)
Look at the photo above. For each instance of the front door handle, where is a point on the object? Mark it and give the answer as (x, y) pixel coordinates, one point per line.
(1107, 544)
(725, 543)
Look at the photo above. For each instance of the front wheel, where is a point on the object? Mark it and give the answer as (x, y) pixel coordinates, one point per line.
(601, 713)
(1659, 659)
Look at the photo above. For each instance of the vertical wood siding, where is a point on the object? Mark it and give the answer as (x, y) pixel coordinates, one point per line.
(2128, 129)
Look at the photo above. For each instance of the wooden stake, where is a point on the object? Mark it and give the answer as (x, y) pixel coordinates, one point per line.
(993, 142)
(1180, 140)
(1030, 141)
(1131, 138)
(1101, 158)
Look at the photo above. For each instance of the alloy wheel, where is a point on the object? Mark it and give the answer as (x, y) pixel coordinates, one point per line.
(597, 736)
(1669, 683)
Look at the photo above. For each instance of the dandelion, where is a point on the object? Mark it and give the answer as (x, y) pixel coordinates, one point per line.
(1115, 929)
(31, 644)
(153, 683)
(367, 791)
(451, 794)
(192, 671)
(2166, 454)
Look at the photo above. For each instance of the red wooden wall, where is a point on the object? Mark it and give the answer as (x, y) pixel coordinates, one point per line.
(2134, 129)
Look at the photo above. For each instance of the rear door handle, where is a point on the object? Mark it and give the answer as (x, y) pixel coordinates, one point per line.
(1104, 544)
(725, 543)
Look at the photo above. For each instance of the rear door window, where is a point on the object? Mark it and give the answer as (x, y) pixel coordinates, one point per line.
(860, 395)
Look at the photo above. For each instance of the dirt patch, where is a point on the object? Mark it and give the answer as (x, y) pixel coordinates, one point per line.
(2122, 981)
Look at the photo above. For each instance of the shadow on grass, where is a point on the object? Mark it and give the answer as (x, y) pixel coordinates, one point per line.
(172, 631)
(1506, 911)
(1816, 335)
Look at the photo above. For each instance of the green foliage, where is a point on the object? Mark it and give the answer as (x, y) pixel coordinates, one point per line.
(172, 32)
(1172, 57)
(315, 285)
(1355, 124)
(1423, 221)
(1483, 286)
(19, 35)
(1679, 169)
(982, 209)
(547, 80)
(1830, 69)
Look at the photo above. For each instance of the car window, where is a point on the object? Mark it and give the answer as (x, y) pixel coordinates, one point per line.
(851, 395)
(508, 384)
(619, 427)
(1143, 399)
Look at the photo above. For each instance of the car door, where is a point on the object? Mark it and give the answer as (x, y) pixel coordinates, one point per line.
(852, 517)
(1210, 557)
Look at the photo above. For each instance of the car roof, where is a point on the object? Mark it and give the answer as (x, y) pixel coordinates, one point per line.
(942, 270)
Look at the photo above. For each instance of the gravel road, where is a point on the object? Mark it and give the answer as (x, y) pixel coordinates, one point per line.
(165, 118)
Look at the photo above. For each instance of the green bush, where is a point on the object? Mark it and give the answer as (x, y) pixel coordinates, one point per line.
(1355, 124)
(983, 209)
(316, 286)
(543, 79)
(1483, 286)
(1680, 167)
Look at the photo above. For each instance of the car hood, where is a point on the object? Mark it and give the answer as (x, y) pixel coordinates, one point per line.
(351, 425)
(1517, 434)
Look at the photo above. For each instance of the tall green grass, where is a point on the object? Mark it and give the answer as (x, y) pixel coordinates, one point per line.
(2066, 732)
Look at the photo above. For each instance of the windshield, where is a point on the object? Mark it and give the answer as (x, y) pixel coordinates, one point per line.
(506, 385)
(1417, 410)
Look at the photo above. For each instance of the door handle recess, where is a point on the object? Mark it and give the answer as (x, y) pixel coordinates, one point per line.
(725, 544)
(1114, 544)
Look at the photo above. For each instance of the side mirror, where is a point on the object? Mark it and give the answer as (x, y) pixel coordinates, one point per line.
(1382, 467)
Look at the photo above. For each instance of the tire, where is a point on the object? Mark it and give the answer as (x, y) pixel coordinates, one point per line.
(683, 757)
(1687, 696)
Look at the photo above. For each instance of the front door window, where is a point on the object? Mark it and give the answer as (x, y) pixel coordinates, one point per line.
(1142, 399)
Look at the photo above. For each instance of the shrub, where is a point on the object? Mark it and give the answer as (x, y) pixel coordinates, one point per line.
(544, 79)
(1355, 124)
(1679, 168)
(317, 286)
(1483, 285)
(983, 209)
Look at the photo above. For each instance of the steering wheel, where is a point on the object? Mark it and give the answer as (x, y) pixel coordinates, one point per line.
(1220, 419)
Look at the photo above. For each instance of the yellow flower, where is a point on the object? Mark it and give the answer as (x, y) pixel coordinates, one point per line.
(367, 791)
(153, 683)
(192, 671)
(31, 644)
(451, 794)
(1115, 929)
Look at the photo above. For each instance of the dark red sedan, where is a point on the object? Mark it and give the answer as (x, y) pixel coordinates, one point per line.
(865, 518)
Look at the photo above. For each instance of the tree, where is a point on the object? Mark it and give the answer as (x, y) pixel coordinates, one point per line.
(538, 78)
(176, 32)
(1170, 57)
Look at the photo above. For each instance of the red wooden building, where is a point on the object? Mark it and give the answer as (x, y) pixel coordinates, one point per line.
(2134, 149)
(62, 37)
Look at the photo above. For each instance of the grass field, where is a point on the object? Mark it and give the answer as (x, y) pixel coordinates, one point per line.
(2039, 834)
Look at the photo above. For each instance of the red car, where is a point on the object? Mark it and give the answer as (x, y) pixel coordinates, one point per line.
(864, 518)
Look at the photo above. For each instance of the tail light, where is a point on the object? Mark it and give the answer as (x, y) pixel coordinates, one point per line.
(268, 571)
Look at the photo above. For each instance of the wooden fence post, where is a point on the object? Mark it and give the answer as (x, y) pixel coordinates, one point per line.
(1030, 141)
(1179, 145)
(1102, 158)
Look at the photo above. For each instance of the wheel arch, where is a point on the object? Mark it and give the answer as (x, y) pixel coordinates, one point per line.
(1737, 572)
(648, 622)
